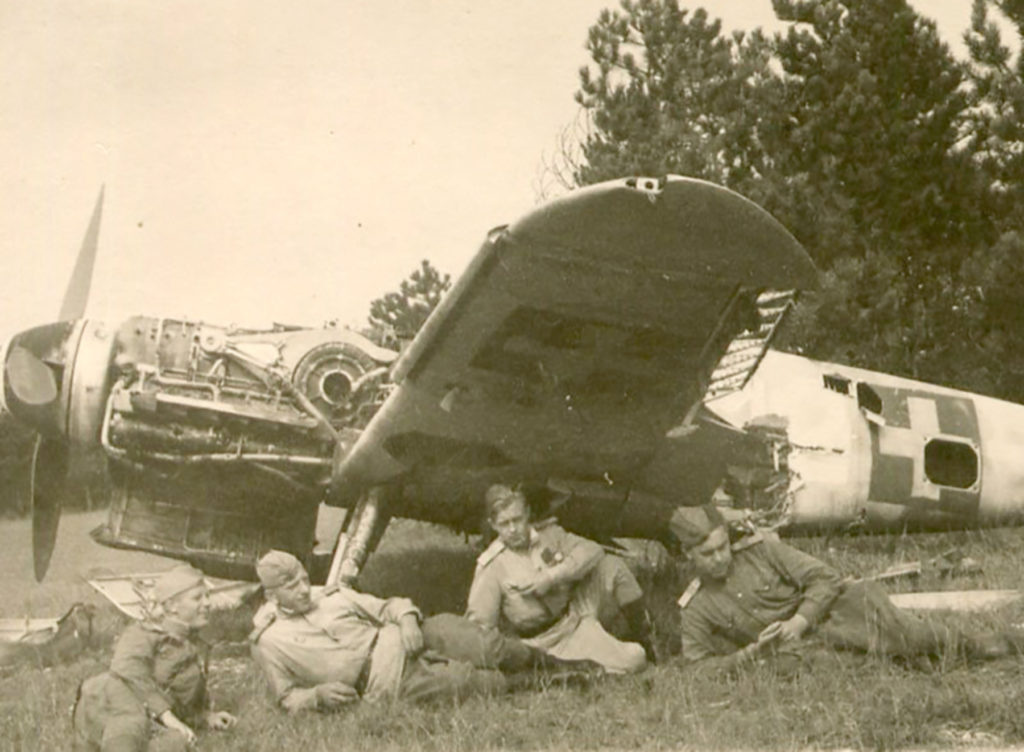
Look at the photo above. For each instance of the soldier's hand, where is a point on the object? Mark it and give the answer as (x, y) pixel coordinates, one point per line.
(219, 720)
(412, 635)
(793, 628)
(333, 694)
(171, 721)
(769, 634)
(787, 631)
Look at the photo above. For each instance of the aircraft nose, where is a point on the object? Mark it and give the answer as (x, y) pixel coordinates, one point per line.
(34, 363)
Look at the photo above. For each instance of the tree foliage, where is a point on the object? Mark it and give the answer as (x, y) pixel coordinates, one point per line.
(395, 317)
(670, 94)
(897, 166)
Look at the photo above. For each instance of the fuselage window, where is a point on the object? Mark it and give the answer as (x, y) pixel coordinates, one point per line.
(950, 463)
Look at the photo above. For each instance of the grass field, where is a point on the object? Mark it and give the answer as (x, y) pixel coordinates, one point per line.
(833, 701)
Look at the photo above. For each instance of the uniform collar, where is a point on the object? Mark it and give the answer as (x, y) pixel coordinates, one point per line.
(170, 628)
(288, 613)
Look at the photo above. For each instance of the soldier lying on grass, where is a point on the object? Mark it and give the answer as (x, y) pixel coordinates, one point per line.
(757, 594)
(328, 651)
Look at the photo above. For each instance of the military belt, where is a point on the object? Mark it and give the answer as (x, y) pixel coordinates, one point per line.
(528, 632)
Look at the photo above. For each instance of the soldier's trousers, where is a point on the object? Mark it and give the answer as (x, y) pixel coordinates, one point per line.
(463, 640)
(598, 598)
(433, 676)
(863, 618)
(108, 717)
(608, 589)
(581, 634)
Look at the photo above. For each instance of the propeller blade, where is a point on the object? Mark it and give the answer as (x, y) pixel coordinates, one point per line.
(30, 379)
(49, 478)
(76, 296)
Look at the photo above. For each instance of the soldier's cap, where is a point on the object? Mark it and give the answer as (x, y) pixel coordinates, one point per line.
(278, 568)
(176, 581)
(692, 525)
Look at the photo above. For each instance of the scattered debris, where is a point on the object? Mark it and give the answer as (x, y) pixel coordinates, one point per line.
(954, 563)
(132, 593)
(45, 642)
(975, 738)
(951, 563)
(957, 600)
(910, 569)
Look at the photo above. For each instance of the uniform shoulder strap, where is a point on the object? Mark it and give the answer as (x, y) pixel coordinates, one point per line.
(490, 553)
(691, 590)
(261, 623)
(546, 522)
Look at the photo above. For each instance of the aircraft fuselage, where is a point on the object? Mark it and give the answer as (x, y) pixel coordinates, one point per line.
(883, 451)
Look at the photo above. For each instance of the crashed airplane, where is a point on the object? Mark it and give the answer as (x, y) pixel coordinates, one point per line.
(609, 350)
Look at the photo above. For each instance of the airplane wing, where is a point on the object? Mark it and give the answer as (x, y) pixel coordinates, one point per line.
(132, 593)
(576, 339)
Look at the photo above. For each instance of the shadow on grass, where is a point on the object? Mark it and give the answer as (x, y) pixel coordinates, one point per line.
(436, 579)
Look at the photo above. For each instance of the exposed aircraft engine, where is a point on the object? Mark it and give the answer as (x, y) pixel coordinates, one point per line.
(197, 431)
(188, 392)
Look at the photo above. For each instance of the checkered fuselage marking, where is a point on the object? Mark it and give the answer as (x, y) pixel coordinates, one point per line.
(912, 417)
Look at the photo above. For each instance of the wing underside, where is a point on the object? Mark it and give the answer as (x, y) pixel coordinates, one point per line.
(576, 339)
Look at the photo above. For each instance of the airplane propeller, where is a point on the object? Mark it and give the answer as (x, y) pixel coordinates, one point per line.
(37, 366)
(49, 479)
(76, 295)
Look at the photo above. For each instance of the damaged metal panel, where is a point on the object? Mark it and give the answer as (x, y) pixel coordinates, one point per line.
(132, 593)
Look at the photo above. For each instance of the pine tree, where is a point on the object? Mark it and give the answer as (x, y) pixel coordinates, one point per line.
(670, 94)
(857, 130)
(395, 317)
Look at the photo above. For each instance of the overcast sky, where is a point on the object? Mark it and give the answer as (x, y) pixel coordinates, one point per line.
(271, 161)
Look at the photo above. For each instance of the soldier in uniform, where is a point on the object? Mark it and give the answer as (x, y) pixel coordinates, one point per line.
(326, 652)
(154, 695)
(758, 594)
(553, 588)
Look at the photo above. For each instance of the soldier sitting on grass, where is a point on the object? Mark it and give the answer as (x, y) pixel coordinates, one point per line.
(551, 589)
(756, 594)
(154, 695)
(320, 653)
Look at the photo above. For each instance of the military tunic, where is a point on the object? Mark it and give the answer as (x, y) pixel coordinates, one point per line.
(153, 670)
(770, 581)
(585, 583)
(355, 639)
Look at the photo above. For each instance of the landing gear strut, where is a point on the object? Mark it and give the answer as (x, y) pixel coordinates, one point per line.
(359, 536)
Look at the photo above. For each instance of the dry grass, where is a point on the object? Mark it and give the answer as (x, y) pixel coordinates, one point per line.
(835, 700)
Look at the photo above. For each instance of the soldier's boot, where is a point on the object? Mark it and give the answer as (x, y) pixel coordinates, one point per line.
(641, 628)
(544, 670)
(526, 659)
(545, 663)
(991, 646)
